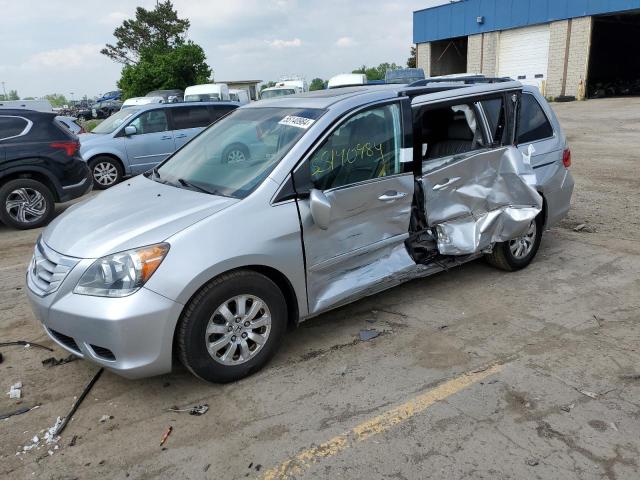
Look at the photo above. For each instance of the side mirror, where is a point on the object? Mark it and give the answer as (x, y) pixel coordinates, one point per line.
(320, 208)
(130, 130)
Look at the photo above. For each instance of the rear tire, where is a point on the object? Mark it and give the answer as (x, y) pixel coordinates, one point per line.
(518, 253)
(105, 172)
(235, 153)
(219, 340)
(26, 203)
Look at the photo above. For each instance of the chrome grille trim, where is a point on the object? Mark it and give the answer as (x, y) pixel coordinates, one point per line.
(48, 269)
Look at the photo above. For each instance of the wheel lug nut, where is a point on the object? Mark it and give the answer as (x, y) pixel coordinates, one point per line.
(230, 329)
(237, 319)
(233, 339)
(244, 334)
(246, 324)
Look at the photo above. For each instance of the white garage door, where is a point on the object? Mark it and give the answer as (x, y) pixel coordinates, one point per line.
(524, 54)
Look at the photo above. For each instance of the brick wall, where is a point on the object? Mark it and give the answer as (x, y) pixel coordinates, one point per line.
(578, 61)
(474, 52)
(490, 54)
(423, 57)
(557, 47)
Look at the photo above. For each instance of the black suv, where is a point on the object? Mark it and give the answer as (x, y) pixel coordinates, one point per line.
(40, 165)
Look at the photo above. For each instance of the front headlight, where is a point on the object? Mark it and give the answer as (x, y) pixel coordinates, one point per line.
(123, 273)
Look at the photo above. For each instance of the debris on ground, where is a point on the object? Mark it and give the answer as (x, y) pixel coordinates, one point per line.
(15, 392)
(633, 376)
(78, 401)
(54, 362)
(589, 394)
(567, 408)
(532, 462)
(196, 410)
(105, 418)
(583, 227)
(19, 411)
(25, 344)
(1, 358)
(443, 327)
(49, 438)
(366, 335)
(166, 435)
(73, 441)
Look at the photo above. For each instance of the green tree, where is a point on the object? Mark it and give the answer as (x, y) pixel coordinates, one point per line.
(179, 67)
(56, 99)
(376, 73)
(12, 95)
(159, 29)
(316, 84)
(155, 52)
(412, 61)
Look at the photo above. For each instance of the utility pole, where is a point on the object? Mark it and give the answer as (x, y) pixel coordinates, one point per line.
(5, 91)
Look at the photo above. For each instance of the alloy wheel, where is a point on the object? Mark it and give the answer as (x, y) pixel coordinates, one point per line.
(521, 247)
(26, 205)
(238, 330)
(235, 156)
(105, 173)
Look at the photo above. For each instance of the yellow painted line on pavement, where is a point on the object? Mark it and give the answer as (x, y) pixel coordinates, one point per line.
(303, 461)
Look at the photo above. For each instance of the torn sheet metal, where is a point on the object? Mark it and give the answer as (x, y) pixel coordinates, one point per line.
(479, 200)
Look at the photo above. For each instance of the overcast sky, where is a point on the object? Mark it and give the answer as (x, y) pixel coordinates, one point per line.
(52, 46)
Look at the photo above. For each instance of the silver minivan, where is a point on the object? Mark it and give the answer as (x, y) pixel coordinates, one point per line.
(139, 137)
(340, 194)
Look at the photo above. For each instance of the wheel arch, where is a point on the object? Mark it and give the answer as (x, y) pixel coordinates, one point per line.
(112, 156)
(32, 174)
(276, 276)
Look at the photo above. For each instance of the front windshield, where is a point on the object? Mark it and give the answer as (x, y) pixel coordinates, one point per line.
(234, 155)
(202, 97)
(115, 120)
(281, 92)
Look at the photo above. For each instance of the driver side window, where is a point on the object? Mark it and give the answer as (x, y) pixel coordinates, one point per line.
(153, 121)
(365, 147)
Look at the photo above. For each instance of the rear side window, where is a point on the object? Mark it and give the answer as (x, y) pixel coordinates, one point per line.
(494, 111)
(11, 126)
(219, 111)
(190, 117)
(533, 124)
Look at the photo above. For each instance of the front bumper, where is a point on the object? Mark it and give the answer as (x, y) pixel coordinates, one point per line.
(131, 336)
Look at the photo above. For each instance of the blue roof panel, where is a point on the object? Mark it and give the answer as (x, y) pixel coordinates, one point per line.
(459, 19)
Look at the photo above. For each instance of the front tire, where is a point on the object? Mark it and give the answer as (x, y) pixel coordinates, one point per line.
(235, 153)
(105, 171)
(232, 327)
(518, 253)
(26, 203)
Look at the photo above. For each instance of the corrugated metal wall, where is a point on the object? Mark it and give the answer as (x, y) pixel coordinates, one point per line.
(459, 19)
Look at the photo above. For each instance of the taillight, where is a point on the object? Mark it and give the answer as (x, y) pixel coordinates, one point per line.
(566, 158)
(70, 147)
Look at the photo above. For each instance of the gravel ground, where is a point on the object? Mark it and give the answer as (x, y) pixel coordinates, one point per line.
(478, 373)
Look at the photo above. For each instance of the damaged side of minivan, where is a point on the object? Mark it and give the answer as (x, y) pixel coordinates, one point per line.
(340, 194)
(406, 187)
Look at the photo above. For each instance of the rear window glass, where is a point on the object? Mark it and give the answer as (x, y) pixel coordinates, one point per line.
(190, 117)
(11, 126)
(533, 124)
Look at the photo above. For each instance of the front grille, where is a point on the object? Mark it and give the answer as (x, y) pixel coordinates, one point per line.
(65, 340)
(103, 352)
(48, 269)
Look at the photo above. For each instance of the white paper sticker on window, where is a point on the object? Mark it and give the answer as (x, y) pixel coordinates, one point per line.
(299, 122)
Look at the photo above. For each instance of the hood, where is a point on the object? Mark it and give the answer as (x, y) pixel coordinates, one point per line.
(135, 213)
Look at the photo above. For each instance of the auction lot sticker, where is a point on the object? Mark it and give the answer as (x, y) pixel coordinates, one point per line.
(298, 122)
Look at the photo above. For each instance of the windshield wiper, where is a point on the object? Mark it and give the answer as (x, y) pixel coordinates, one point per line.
(197, 186)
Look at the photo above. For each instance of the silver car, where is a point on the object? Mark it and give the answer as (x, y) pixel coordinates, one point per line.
(137, 138)
(340, 194)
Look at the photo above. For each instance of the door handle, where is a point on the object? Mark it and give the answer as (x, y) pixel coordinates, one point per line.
(166, 137)
(445, 182)
(391, 195)
(180, 136)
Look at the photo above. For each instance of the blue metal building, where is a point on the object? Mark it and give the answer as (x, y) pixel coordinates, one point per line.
(566, 47)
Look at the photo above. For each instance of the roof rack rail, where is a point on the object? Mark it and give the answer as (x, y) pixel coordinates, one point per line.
(466, 80)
